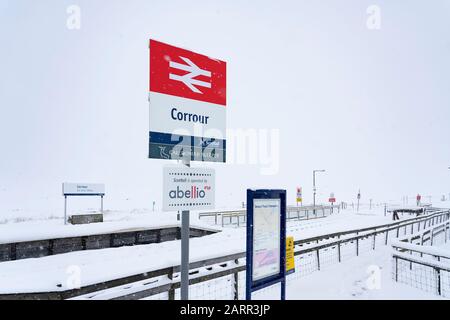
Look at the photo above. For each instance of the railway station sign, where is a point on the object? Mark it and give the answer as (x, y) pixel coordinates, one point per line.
(186, 188)
(332, 198)
(299, 195)
(187, 98)
(80, 189)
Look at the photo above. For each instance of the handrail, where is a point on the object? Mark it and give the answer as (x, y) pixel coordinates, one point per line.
(391, 225)
(422, 261)
(218, 260)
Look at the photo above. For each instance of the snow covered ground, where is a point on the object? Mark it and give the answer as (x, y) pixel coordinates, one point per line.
(117, 221)
(51, 273)
(364, 277)
(122, 220)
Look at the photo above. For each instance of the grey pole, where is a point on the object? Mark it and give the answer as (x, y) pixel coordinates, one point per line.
(65, 209)
(314, 189)
(185, 248)
(358, 198)
(101, 209)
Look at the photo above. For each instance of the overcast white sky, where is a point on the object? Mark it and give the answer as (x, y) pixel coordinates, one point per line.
(371, 107)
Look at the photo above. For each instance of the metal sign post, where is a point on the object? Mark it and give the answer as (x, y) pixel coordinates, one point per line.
(266, 240)
(359, 197)
(185, 248)
(186, 189)
(299, 196)
(65, 209)
(188, 123)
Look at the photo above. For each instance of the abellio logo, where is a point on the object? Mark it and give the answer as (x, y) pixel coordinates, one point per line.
(193, 193)
(188, 188)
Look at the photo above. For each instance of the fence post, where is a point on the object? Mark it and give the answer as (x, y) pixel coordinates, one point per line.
(387, 234)
(374, 240)
(421, 243)
(357, 246)
(396, 269)
(411, 264)
(339, 251)
(171, 290)
(318, 259)
(236, 282)
(398, 231)
(438, 278)
(445, 234)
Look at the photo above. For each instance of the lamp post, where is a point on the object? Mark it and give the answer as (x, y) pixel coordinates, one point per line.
(358, 198)
(314, 189)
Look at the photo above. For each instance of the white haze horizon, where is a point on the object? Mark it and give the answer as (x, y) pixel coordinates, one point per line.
(371, 107)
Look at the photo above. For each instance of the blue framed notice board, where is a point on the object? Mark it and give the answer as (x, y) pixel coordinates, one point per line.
(266, 240)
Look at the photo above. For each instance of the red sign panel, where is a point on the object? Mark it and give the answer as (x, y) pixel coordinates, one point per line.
(183, 73)
(332, 200)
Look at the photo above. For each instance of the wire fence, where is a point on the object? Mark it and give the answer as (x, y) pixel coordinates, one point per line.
(223, 278)
(425, 277)
(417, 264)
(311, 255)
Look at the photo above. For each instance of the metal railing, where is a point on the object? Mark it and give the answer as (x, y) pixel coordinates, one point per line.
(238, 217)
(417, 264)
(224, 277)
